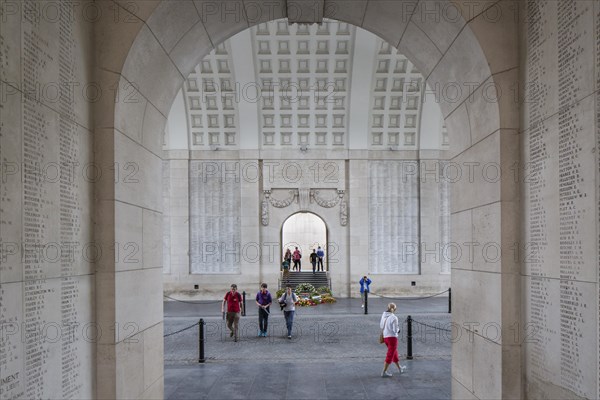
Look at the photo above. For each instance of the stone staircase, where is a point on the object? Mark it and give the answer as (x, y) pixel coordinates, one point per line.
(317, 280)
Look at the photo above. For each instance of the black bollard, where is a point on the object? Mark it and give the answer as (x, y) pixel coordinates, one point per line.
(244, 303)
(201, 358)
(409, 355)
(449, 300)
(366, 302)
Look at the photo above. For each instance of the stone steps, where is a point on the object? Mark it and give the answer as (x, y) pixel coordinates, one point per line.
(317, 280)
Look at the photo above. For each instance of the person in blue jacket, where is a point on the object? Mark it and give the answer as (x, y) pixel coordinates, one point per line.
(364, 287)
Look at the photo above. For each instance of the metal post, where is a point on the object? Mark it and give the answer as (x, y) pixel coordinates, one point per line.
(201, 358)
(244, 303)
(366, 302)
(409, 355)
(449, 300)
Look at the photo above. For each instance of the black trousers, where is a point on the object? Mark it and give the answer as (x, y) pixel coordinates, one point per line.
(320, 263)
(263, 319)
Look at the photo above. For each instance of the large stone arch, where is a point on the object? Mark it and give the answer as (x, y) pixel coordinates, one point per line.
(147, 48)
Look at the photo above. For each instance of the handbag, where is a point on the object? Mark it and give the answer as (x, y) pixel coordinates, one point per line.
(381, 333)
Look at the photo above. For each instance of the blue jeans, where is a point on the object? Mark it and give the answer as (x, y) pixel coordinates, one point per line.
(289, 320)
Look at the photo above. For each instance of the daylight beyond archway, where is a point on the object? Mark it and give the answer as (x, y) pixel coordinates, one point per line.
(307, 232)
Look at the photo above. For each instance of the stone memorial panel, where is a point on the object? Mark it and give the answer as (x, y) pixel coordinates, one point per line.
(393, 217)
(561, 199)
(215, 217)
(46, 204)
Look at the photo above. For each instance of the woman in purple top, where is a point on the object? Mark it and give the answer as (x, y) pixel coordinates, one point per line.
(263, 301)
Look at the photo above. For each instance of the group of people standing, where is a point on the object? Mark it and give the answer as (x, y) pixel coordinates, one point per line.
(263, 300)
(316, 259)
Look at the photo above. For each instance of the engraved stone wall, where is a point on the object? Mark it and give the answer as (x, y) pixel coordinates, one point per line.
(46, 273)
(561, 197)
(215, 218)
(393, 218)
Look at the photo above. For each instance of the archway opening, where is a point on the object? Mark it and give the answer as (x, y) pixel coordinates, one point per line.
(307, 233)
(440, 65)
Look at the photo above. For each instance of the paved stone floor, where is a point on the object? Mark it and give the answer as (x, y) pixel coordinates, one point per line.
(334, 353)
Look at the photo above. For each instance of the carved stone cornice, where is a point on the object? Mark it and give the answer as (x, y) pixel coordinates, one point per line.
(324, 202)
(281, 203)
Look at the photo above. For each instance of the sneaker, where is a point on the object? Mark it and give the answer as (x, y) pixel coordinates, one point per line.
(362, 306)
(385, 374)
(402, 369)
(289, 336)
(260, 334)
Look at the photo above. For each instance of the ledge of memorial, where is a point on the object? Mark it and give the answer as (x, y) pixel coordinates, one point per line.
(432, 154)
(174, 154)
(312, 153)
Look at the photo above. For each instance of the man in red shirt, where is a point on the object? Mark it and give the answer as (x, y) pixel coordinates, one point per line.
(234, 309)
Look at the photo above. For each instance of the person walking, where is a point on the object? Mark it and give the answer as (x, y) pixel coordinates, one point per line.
(234, 309)
(389, 326)
(263, 301)
(320, 255)
(288, 256)
(297, 260)
(313, 260)
(364, 288)
(288, 298)
(285, 265)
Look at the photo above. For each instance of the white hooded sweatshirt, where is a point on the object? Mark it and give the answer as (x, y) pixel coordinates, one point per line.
(389, 324)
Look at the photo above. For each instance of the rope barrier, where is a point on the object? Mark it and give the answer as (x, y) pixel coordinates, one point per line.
(181, 330)
(194, 302)
(408, 298)
(430, 326)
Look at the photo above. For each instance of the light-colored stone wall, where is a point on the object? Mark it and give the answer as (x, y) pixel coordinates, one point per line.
(561, 125)
(288, 186)
(48, 322)
(145, 49)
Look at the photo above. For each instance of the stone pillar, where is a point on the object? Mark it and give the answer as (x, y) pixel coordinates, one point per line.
(358, 184)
